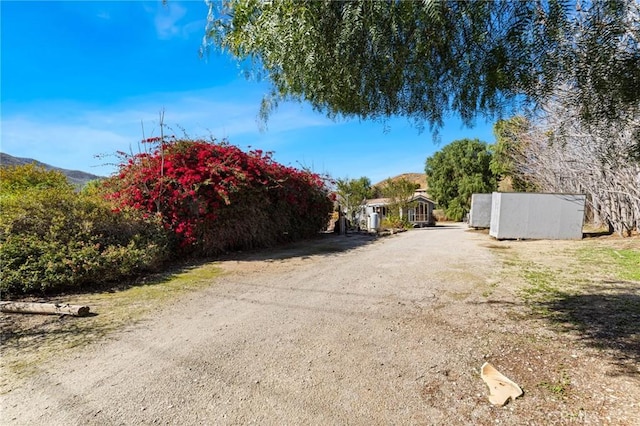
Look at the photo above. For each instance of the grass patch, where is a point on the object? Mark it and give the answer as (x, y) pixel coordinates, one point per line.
(28, 340)
(622, 263)
(590, 289)
(489, 290)
(560, 387)
(542, 284)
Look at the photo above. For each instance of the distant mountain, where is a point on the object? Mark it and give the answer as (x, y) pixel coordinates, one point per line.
(75, 177)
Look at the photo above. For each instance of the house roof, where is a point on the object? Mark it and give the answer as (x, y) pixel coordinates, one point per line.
(423, 197)
(376, 202)
(418, 195)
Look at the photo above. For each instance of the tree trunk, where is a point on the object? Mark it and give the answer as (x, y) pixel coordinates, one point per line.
(44, 308)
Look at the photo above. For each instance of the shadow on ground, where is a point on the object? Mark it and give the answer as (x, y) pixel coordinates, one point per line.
(324, 245)
(605, 319)
(597, 234)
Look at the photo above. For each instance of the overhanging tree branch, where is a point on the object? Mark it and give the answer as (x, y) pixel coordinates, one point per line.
(427, 60)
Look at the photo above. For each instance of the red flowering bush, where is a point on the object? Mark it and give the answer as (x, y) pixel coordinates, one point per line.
(215, 197)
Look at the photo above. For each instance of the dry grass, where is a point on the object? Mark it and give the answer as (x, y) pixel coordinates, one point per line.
(588, 290)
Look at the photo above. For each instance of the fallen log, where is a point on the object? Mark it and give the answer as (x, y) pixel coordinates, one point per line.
(44, 308)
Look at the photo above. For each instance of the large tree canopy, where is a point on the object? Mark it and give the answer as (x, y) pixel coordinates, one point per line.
(428, 59)
(457, 171)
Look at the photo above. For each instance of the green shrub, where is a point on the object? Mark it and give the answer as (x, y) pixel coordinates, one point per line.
(53, 239)
(17, 179)
(395, 222)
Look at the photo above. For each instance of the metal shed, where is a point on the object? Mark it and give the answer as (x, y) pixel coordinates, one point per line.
(480, 214)
(537, 216)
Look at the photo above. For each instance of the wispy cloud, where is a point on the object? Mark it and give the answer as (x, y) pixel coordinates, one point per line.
(103, 14)
(70, 135)
(169, 22)
(166, 20)
(72, 146)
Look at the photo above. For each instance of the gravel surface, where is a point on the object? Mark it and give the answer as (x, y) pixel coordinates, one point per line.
(392, 331)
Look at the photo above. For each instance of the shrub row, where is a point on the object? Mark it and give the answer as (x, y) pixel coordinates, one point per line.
(184, 198)
(54, 239)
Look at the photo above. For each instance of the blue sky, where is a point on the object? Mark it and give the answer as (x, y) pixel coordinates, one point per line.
(82, 79)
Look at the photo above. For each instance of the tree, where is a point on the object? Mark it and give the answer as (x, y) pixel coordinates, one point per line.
(511, 145)
(424, 60)
(399, 193)
(558, 154)
(17, 179)
(352, 192)
(456, 172)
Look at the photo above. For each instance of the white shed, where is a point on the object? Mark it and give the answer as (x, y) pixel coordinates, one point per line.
(480, 214)
(526, 215)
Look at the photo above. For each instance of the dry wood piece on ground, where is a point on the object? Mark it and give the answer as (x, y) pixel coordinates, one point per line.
(44, 308)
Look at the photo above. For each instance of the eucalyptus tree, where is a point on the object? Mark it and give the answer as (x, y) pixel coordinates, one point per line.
(509, 154)
(426, 60)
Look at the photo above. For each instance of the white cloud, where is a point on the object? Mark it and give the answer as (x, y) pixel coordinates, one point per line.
(194, 27)
(168, 22)
(103, 14)
(70, 135)
(71, 146)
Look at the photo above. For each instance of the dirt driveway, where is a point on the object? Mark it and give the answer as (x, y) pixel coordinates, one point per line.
(392, 331)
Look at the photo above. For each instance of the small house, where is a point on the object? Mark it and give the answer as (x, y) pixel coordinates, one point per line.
(420, 213)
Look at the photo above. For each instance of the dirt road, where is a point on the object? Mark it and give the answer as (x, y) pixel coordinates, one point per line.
(392, 331)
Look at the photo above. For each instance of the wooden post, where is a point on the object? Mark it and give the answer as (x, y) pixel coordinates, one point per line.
(44, 308)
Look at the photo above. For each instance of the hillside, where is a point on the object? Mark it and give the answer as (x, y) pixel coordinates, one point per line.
(417, 178)
(75, 177)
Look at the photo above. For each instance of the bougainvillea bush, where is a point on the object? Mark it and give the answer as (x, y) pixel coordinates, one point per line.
(214, 197)
(53, 238)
